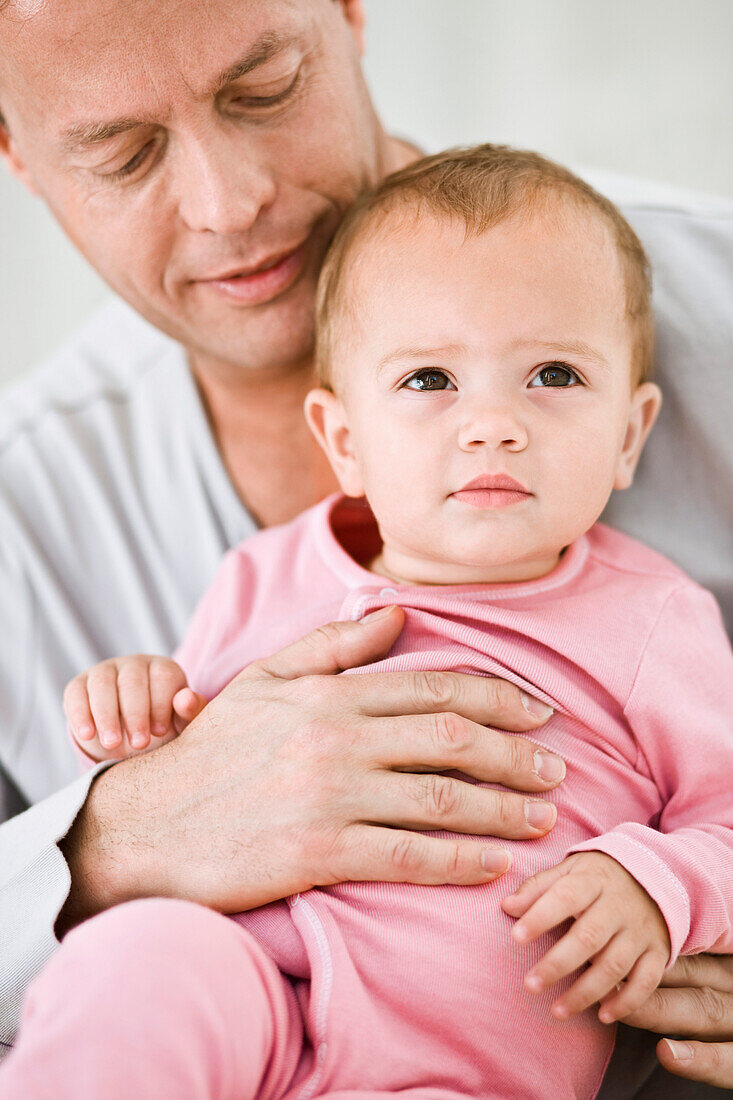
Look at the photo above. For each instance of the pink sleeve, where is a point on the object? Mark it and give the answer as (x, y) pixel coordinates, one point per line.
(221, 613)
(681, 712)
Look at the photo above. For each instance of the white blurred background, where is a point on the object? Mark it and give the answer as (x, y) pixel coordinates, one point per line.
(641, 87)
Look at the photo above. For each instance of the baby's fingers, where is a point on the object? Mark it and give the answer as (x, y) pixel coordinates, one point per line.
(518, 903)
(609, 967)
(77, 710)
(643, 979)
(104, 703)
(166, 679)
(187, 704)
(583, 941)
(134, 700)
(567, 897)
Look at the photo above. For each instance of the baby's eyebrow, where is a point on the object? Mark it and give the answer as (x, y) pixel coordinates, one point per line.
(409, 353)
(573, 347)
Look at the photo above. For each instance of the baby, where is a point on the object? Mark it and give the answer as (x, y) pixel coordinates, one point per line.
(484, 343)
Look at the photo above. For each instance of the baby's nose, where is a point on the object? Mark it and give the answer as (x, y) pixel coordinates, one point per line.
(497, 427)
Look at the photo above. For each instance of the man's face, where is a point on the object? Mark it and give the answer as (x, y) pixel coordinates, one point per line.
(200, 154)
(502, 355)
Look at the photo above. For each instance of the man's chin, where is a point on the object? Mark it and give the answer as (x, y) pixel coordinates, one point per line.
(233, 357)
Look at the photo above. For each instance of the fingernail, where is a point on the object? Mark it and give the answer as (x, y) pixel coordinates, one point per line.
(540, 815)
(158, 729)
(381, 614)
(548, 767)
(534, 983)
(681, 1052)
(495, 860)
(534, 706)
(86, 732)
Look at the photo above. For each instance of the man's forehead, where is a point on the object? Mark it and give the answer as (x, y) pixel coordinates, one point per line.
(118, 58)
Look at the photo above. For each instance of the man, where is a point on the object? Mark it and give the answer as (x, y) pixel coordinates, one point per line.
(201, 156)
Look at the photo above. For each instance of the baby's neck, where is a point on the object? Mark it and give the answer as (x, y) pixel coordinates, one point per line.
(405, 569)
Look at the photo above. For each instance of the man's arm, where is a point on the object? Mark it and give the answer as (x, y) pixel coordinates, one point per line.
(34, 882)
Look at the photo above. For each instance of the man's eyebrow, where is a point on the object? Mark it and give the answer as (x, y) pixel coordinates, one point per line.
(94, 133)
(265, 48)
(409, 354)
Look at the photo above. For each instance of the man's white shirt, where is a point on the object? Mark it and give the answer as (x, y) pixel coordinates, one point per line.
(115, 509)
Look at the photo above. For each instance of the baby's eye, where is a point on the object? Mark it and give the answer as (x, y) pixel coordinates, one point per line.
(428, 380)
(558, 375)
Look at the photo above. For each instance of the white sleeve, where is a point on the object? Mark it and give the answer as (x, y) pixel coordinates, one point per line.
(34, 884)
(34, 877)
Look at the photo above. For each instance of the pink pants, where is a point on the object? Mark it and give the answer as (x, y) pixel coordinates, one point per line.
(162, 1000)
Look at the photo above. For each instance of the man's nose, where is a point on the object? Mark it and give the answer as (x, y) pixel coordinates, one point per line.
(222, 188)
(492, 424)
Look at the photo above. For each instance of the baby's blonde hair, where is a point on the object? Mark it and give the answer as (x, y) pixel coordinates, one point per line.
(481, 186)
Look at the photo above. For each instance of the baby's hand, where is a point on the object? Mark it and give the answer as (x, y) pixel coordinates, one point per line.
(115, 707)
(617, 928)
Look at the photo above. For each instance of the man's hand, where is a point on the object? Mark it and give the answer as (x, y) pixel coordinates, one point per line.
(695, 1000)
(296, 777)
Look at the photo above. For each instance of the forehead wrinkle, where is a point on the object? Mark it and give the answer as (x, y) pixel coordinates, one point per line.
(266, 46)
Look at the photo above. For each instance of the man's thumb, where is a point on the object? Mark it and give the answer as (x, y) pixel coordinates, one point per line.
(334, 647)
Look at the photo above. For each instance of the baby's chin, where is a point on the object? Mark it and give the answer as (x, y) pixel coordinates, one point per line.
(460, 568)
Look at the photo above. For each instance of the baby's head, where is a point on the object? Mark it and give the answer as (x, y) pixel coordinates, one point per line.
(484, 341)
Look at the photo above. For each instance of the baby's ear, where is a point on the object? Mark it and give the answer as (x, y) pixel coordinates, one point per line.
(327, 420)
(645, 405)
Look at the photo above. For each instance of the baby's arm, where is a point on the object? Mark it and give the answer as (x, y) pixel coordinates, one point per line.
(617, 928)
(116, 707)
(681, 712)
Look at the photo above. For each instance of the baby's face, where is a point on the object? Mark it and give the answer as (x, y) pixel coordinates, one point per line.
(487, 402)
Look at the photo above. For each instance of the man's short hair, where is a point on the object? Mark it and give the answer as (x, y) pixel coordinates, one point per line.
(481, 186)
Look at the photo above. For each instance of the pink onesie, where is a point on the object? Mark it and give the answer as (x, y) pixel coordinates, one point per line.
(633, 656)
(403, 987)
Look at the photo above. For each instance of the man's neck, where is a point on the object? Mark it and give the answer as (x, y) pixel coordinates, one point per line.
(275, 464)
(273, 460)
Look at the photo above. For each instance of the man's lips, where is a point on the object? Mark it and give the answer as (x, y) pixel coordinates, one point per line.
(257, 283)
(497, 491)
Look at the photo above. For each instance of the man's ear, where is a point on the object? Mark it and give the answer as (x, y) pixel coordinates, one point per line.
(645, 405)
(327, 420)
(354, 13)
(14, 162)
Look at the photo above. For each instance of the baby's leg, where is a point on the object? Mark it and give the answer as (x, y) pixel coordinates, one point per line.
(156, 999)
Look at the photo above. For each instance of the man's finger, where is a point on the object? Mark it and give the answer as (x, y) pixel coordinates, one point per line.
(484, 699)
(333, 648)
(710, 1063)
(450, 742)
(371, 853)
(339, 646)
(700, 1013)
(698, 971)
(442, 802)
